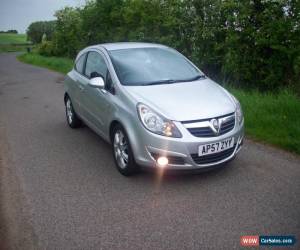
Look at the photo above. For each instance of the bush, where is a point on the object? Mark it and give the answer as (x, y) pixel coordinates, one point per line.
(46, 48)
(253, 44)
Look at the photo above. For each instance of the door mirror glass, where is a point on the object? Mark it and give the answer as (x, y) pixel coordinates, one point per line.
(97, 82)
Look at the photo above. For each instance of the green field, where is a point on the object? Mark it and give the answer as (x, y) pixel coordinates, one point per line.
(269, 117)
(13, 42)
(9, 38)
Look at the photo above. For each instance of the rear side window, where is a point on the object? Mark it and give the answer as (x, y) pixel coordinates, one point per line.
(80, 64)
(95, 65)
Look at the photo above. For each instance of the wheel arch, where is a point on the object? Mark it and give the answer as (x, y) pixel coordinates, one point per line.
(113, 124)
(66, 95)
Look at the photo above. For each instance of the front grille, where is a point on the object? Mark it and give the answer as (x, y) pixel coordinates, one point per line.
(227, 124)
(206, 159)
(201, 132)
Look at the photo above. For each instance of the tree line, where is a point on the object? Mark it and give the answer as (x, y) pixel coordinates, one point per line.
(9, 31)
(249, 43)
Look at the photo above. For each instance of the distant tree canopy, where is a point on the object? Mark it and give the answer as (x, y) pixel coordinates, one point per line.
(250, 43)
(36, 30)
(9, 31)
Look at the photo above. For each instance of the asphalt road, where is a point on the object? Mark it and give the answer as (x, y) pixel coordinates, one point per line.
(60, 188)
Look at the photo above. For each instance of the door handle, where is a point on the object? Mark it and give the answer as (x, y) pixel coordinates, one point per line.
(81, 87)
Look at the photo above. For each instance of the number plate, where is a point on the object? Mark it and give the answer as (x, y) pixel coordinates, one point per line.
(216, 147)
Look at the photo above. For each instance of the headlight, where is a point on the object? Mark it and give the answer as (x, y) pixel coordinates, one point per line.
(156, 123)
(239, 112)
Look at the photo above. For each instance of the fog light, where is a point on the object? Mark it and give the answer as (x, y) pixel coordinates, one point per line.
(162, 161)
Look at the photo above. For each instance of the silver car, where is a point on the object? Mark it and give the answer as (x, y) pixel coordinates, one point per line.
(154, 107)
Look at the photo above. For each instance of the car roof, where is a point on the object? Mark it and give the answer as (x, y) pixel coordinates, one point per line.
(128, 45)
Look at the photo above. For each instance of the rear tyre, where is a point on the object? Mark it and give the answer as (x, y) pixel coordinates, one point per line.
(72, 118)
(122, 152)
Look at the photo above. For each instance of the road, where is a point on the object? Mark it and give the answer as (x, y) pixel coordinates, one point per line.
(60, 188)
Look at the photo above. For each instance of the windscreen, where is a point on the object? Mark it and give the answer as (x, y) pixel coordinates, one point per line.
(146, 66)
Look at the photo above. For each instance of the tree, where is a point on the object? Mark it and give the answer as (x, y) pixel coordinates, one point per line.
(36, 30)
(68, 33)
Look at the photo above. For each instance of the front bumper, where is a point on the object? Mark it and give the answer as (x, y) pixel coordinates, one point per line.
(182, 151)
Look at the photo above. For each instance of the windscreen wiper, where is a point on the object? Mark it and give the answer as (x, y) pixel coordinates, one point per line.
(167, 81)
(198, 77)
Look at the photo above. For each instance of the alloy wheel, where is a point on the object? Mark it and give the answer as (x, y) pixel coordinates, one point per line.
(121, 149)
(69, 111)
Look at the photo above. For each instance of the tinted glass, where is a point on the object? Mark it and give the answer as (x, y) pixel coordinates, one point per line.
(80, 64)
(95, 64)
(142, 66)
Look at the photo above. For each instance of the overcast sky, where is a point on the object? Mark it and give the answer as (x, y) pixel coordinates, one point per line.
(18, 14)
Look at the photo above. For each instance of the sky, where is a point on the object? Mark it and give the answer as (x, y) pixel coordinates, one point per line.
(18, 14)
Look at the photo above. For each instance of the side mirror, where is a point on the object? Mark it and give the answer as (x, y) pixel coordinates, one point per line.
(97, 82)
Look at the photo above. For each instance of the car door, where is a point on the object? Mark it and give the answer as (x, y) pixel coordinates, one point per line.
(95, 102)
(75, 85)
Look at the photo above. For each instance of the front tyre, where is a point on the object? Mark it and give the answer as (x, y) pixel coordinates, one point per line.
(72, 118)
(122, 152)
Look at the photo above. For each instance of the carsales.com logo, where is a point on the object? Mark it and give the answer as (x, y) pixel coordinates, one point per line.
(255, 240)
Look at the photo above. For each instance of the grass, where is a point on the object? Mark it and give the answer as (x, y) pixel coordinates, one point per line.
(13, 42)
(59, 64)
(272, 118)
(10, 38)
(269, 117)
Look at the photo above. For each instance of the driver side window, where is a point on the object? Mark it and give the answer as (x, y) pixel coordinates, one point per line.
(79, 65)
(95, 66)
